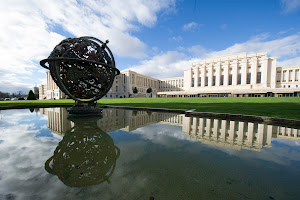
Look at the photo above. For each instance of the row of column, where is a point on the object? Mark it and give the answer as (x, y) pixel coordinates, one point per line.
(144, 82)
(291, 75)
(234, 132)
(171, 83)
(234, 65)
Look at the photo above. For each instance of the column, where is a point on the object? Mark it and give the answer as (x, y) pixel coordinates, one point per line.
(269, 136)
(264, 71)
(273, 72)
(244, 71)
(208, 127)
(200, 127)
(196, 76)
(241, 133)
(223, 130)
(215, 129)
(210, 75)
(253, 70)
(195, 126)
(218, 74)
(260, 134)
(231, 131)
(187, 79)
(234, 72)
(250, 134)
(295, 132)
(289, 131)
(293, 75)
(226, 68)
(203, 70)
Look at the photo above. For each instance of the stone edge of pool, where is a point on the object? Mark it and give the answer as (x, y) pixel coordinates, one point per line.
(188, 113)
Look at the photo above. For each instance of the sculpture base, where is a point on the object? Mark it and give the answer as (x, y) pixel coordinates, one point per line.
(84, 110)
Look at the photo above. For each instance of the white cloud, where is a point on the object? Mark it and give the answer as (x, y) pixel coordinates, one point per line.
(286, 46)
(191, 26)
(289, 6)
(169, 64)
(29, 30)
(172, 63)
(176, 38)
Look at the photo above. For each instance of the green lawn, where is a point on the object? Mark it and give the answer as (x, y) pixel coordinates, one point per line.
(285, 107)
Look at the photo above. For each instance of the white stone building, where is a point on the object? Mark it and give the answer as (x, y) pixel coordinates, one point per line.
(128, 80)
(233, 75)
(238, 75)
(50, 90)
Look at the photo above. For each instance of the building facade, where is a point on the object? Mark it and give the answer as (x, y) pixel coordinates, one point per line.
(124, 84)
(237, 75)
(50, 90)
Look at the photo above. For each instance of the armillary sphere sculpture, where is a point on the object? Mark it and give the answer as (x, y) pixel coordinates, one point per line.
(84, 69)
(85, 156)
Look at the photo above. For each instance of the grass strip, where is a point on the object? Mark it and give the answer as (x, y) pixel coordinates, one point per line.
(283, 107)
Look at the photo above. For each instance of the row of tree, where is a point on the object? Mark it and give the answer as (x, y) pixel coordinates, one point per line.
(19, 95)
(14, 94)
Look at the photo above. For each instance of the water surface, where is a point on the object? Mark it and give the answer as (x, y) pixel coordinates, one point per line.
(44, 154)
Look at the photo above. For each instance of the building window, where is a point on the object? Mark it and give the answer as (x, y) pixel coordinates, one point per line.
(291, 75)
(284, 76)
(239, 79)
(230, 79)
(199, 81)
(258, 77)
(206, 81)
(296, 86)
(222, 80)
(132, 78)
(297, 75)
(193, 80)
(248, 78)
(278, 76)
(284, 86)
(289, 86)
(214, 81)
(116, 88)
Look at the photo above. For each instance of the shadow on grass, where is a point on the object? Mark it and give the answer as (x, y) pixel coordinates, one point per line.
(282, 110)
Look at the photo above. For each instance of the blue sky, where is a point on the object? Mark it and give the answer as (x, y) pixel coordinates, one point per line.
(158, 38)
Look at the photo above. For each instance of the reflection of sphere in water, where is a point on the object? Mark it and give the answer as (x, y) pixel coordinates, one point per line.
(83, 68)
(85, 156)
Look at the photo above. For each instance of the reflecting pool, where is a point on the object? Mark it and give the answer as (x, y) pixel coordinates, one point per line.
(126, 154)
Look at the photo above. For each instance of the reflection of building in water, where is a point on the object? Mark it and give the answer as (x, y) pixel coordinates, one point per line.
(57, 120)
(224, 133)
(129, 120)
(287, 133)
(230, 134)
(113, 119)
(235, 134)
